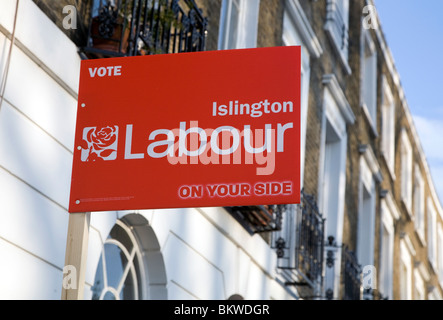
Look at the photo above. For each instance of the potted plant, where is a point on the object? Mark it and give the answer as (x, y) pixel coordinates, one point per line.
(110, 27)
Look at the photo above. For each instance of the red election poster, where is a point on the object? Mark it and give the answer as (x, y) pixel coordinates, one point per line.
(204, 129)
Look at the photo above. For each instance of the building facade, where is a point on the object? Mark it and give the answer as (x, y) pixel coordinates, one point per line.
(370, 224)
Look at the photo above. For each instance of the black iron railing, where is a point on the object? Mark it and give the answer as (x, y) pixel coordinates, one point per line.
(258, 219)
(350, 272)
(309, 238)
(351, 275)
(300, 247)
(373, 294)
(144, 27)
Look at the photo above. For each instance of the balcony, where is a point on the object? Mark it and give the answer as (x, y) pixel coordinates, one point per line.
(144, 27)
(351, 275)
(350, 272)
(300, 247)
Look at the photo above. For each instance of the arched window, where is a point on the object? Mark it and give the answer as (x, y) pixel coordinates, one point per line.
(236, 296)
(119, 274)
(131, 265)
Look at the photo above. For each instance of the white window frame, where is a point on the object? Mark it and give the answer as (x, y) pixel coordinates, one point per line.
(440, 253)
(388, 127)
(419, 205)
(337, 113)
(369, 176)
(405, 271)
(406, 171)
(432, 234)
(368, 79)
(389, 214)
(337, 28)
(297, 31)
(421, 269)
(245, 34)
(135, 270)
(419, 286)
(290, 38)
(434, 294)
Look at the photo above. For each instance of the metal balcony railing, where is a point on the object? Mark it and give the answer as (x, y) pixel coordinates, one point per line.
(300, 246)
(373, 294)
(350, 272)
(144, 27)
(309, 238)
(351, 275)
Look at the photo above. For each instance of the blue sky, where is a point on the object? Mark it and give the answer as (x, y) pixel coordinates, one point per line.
(414, 32)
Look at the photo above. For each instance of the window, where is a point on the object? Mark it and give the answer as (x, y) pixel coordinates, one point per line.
(116, 276)
(118, 271)
(385, 281)
(421, 276)
(434, 294)
(369, 79)
(419, 288)
(388, 127)
(333, 161)
(130, 265)
(406, 171)
(238, 24)
(337, 114)
(297, 31)
(230, 24)
(369, 175)
(337, 26)
(405, 272)
(440, 253)
(389, 213)
(419, 204)
(432, 235)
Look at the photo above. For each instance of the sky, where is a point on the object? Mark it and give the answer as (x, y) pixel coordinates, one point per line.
(414, 33)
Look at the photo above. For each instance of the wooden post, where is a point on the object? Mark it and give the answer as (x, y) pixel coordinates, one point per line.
(75, 256)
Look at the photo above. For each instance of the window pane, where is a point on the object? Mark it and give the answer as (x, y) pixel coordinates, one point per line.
(115, 264)
(114, 268)
(440, 252)
(109, 296)
(233, 26)
(99, 282)
(119, 233)
(231, 15)
(129, 288)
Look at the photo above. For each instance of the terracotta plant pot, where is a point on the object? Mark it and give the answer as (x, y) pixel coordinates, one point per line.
(112, 41)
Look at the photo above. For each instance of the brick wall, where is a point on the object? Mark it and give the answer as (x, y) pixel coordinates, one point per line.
(211, 10)
(270, 23)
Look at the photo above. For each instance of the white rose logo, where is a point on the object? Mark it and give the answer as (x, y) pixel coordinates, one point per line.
(99, 143)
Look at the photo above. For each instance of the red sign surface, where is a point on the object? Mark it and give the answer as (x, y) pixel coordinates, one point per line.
(216, 128)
